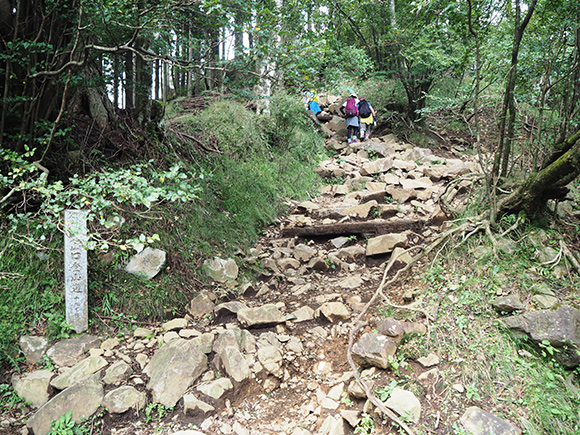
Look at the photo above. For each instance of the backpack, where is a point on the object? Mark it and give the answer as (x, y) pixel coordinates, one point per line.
(364, 109)
(313, 105)
(351, 109)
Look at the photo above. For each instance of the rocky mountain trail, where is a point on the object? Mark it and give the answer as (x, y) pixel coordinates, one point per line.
(270, 356)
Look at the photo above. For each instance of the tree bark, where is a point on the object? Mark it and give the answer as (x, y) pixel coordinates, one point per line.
(550, 183)
(503, 152)
(378, 226)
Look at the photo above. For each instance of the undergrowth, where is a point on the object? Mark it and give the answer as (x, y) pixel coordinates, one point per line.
(236, 192)
(498, 371)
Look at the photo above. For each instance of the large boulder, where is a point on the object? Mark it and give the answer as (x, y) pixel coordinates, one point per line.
(387, 243)
(33, 347)
(79, 371)
(69, 352)
(479, 422)
(267, 314)
(561, 328)
(147, 263)
(33, 387)
(374, 349)
(82, 399)
(173, 369)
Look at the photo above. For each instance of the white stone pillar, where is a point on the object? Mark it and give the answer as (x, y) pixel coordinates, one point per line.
(75, 269)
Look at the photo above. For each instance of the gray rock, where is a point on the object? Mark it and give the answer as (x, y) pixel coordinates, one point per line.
(79, 371)
(352, 282)
(227, 338)
(171, 335)
(405, 165)
(117, 373)
(545, 302)
(234, 363)
(387, 243)
(124, 398)
(173, 369)
(286, 264)
(401, 195)
(69, 352)
(303, 314)
(143, 332)
(374, 349)
(147, 263)
(339, 242)
(221, 270)
(267, 314)
(33, 347)
(304, 252)
(421, 183)
(377, 166)
(334, 311)
(479, 422)
(228, 308)
(381, 149)
(546, 254)
(205, 342)
(418, 153)
(271, 359)
(192, 405)
(559, 327)
(215, 389)
(405, 404)
(429, 360)
(318, 263)
(201, 305)
(295, 345)
(361, 210)
(174, 324)
(83, 399)
(351, 252)
(357, 391)
(397, 329)
(353, 418)
(508, 304)
(33, 386)
(333, 425)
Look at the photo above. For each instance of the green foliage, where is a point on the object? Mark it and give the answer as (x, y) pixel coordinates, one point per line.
(366, 425)
(156, 411)
(9, 400)
(385, 392)
(65, 425)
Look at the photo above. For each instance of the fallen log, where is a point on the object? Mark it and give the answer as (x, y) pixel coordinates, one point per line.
(376, 226)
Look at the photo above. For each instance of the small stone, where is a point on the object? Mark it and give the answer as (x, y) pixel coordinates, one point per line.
(459, 388)
(175, 324)
(429, 360)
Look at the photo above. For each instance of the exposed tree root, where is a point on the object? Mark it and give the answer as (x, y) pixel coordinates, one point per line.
(379, 292)
(568, 254)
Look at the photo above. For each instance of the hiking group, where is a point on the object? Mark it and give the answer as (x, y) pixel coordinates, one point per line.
(360, 116)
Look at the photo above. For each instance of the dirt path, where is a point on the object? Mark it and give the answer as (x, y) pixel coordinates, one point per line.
(318, 266)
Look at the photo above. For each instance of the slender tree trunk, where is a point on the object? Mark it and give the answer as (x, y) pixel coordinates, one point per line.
(129, 81)
(503, 152)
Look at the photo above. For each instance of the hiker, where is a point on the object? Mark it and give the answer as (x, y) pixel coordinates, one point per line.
(367, 118)
(350, 110)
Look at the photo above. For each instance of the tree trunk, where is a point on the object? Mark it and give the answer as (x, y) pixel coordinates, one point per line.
(501, 160)
(550, 183)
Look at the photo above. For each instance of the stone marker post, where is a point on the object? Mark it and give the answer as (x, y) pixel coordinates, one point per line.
(75, 269)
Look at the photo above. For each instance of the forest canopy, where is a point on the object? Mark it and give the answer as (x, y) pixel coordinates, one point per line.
(69, 66)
